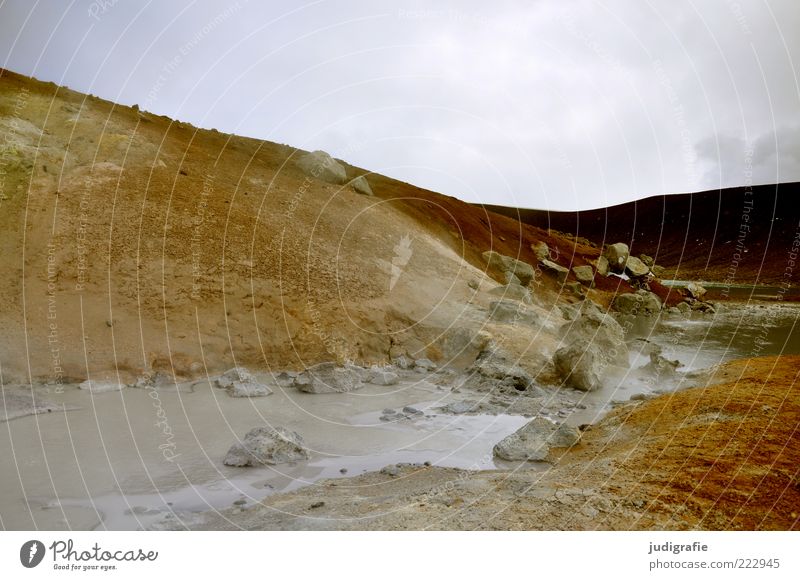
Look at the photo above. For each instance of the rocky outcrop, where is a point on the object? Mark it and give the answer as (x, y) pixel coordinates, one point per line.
(578, 366)
(510, 312)
(600, 331)
(505, 264)
(361, 185)
(266, 446)
(512, 292)
(635, 268)
(322, 166)
(327, 377)
(584, 274)
(617, 255)
(541, 251)
(533, 441)
(239, 382)
(639, 303)
(560, 273)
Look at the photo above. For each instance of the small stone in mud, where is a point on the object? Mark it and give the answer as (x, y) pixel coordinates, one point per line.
(343, 470)
(412, 411)
(315, 505)
(389, 412)
(427, 464)
(240, 502)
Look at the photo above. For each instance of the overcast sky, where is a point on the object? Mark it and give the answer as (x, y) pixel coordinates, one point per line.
(549, 104)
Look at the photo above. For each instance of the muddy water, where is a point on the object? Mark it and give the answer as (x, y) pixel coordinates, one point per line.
(110, 464)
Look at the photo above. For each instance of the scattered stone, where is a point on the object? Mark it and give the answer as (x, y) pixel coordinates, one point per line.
(322, 166)
(266, 446)
(599, 330)
(510, 312)
(494, 369)
(522, 270)
(541, 251)
(474, 284)
(361, 185)
(460, 407)
(695, 290)
(512, 292)
(647, 260)
(389, 412)
(403, 362)
(425, 364)
(635, 268)
(584, 274)
(327, 377)
(578, 366)
(617, 255)
(412, 411)
(560, 273)
(239, 382)
(285, 379)
(641, 302)
(391, 471)
(240, 502)
(602, 266)
(316, 505)
(383, 377)
(510, 278)
(343, 470)
(534, 440)
(684, 308)
(658, 271)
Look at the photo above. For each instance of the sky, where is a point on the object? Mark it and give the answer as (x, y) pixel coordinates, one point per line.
(546, 104)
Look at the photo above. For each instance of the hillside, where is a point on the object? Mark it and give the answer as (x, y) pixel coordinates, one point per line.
(738, 235)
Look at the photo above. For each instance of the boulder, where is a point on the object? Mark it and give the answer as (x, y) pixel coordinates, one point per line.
(647, 260)
(684, 308)
(695, 290)
(600, 331)
(602, 265)
(541, 251)
(533, 441)
(638, 303)
(494, 368)
(95, 387)
(617, 255)
(635, 268)
(383, 377)
(522, 270)
(510, 278)
(322, 166)
(425, 364)
(327, 377)
(578, 366)
(560, 273)
(510, 312)
(266, 446)
(512, 292)
(584, 274)
(658, 271)
(239, 382)
(361, 185)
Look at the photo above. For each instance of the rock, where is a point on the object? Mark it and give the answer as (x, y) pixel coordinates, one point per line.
(541, 251)
(494, 369)
(327, 377)
(658, 271)
(635, 268)
(412, 411)
(284, 379)
(534, 440)
(316, 505)
(510, 278)
(684, 308)
(322, 166)
(266, 446)
(602, 266)
(522, 270)
(639, 303)
(578, 366)
(574, 287)
(617, 255)
(460, 407)
(96, 387)
(403, 362)
(599, 330)
(425, 364)
(239, 382)
(647, 260)
(389, 412)
(510, 312)
(695, 290)
(512, 292)
(15, 403)
(474, 284)
(391, 471)
(361, 185)
(383, 377)
(560, 273)
(705, 307)
(584, 274)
